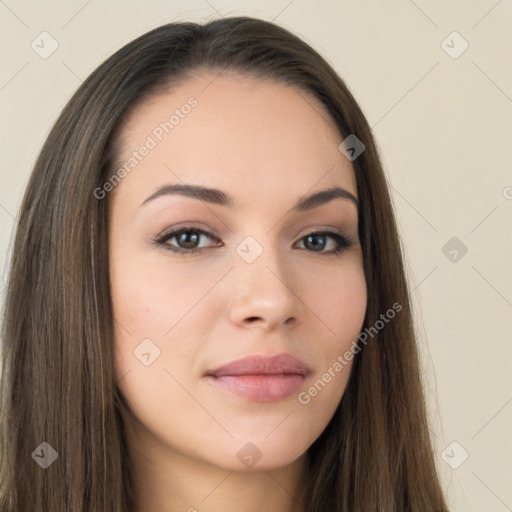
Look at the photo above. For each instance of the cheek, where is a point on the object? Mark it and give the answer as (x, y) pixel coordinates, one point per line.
(340, 305)
(151, 298)
(161, 310)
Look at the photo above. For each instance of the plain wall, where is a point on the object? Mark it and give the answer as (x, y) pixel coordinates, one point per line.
(443, 125)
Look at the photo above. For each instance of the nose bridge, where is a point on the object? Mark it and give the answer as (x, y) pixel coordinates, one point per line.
(263, 285)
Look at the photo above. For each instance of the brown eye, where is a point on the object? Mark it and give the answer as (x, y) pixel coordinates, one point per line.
(186, 240)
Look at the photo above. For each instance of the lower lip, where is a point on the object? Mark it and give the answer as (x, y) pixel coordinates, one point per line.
(261, 388)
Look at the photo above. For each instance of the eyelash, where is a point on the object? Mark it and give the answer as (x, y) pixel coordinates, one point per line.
(343, 242)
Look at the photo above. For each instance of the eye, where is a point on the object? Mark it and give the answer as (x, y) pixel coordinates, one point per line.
(319, 240)
(186, 239)
(189, 239)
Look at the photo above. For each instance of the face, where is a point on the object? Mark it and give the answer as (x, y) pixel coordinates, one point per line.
(232, 307)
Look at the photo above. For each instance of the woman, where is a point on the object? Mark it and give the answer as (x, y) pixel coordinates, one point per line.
(207, 305)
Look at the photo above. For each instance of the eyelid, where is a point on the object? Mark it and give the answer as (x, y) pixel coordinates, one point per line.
(323, 229)
(207, 231)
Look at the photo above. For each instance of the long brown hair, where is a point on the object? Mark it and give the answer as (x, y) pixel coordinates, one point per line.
(58, 380)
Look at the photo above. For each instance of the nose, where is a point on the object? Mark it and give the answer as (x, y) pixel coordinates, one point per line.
(263, 294)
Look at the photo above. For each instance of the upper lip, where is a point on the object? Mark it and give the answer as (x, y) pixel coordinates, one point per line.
(281, 364)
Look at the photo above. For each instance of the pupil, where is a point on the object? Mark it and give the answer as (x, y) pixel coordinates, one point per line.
(313, 240)
(188, 240)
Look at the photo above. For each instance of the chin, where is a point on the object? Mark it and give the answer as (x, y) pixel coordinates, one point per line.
(258, 453)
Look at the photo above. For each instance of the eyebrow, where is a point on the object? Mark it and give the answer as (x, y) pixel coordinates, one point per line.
(218, 197)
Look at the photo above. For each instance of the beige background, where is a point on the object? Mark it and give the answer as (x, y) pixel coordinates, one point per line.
(443, 125)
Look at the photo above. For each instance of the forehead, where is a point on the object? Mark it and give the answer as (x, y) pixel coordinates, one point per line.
(235, 131)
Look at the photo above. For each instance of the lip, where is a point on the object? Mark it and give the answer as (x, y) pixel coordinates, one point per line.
(261, 378)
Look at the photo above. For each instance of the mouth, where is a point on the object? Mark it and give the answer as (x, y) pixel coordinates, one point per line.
(260, 378)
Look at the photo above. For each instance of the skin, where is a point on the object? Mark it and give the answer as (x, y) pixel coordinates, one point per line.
(267, 145)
